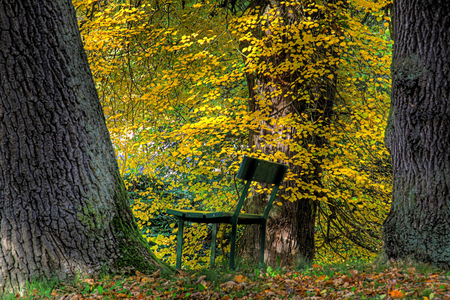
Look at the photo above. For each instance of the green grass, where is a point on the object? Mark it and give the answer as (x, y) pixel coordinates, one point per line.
(43, 288)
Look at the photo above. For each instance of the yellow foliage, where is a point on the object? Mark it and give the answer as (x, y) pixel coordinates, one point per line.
(171, 79)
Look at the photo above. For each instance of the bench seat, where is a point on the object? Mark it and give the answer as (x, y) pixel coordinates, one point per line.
(211, 217)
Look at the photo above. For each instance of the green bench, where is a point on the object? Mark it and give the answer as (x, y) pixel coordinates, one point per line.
(250, 170)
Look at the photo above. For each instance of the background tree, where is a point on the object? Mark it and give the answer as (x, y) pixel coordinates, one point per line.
(297, 66)
(418, 135)
(64, 209)
(282, 89)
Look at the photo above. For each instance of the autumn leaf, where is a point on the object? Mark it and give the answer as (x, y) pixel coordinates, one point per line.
(228, 285)
(240, 279)
(89, 281)
(396, 294)
(139, 274)
(147, 279)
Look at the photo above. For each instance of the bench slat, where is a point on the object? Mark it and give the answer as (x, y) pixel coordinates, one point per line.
(211, 214)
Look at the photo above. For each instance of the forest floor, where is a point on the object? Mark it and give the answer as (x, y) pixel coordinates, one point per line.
(344, 281)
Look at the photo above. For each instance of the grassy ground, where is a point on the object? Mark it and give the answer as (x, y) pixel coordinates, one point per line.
(344, 281)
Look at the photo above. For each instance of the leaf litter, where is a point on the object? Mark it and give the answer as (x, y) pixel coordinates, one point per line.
(314, 283)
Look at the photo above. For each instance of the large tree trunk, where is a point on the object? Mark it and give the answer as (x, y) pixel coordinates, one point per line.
(63, 206)
(418, 133)
(291, 227)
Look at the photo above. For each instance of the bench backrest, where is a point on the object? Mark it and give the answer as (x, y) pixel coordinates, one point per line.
(263, 171)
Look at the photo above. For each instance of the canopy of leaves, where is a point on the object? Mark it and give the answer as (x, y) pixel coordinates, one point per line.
(171, 79)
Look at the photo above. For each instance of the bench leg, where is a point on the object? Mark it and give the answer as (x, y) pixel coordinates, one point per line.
(263, 243)
(213, 246)
(179, 243)
(233, 245)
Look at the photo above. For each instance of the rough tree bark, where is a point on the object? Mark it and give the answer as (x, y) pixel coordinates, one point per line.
(418, 133)
(291, 227)
(63, 206)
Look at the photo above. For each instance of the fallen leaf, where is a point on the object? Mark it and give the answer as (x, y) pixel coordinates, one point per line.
(290, 281)
(73, 296)
(329, 283)
(395, 294)
(228, 285)
(338, 282)
(348, 295)
(139, 274)
(201, 278)
(240, 278)
(156, 274)
(147, 279)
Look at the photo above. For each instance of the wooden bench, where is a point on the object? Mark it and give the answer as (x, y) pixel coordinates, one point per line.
(250, 170)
